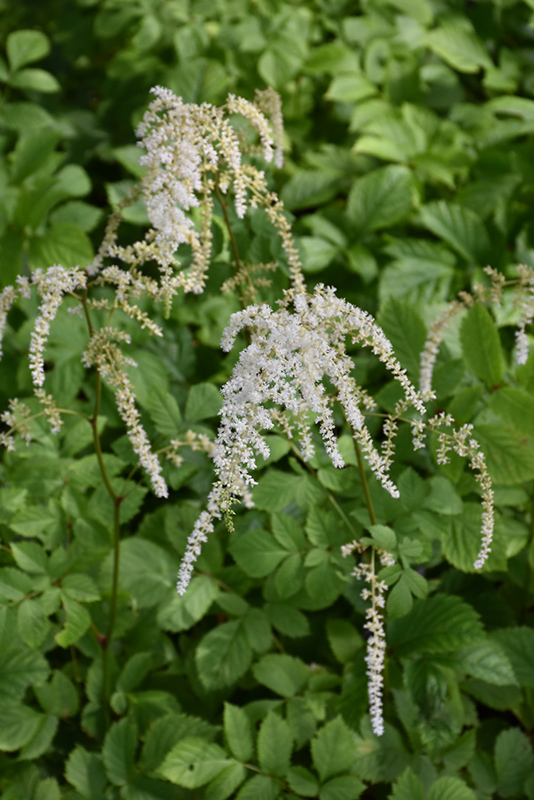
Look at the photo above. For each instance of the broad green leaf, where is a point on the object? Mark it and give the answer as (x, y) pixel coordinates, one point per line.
(145, 571)
(33, 625)
(168, 731)
(324, 584)
(302, 782)
(439, 624)
(343, 638)
(481, 345)
(450, 788)
(33, 521)
(30, 557)
(80, 587)
(509, 456)
(203, 401)
(85, 771)
(276, 490)
(257, 553)
(379, 758)
(514, 761)
(260, 787)
(181, 612)
(275, 744)
(459, 46)
(380, 199)
(399, 600)
(302, 720)
(59, 696)
(258, 630)
(308, 188)
(408, 787)
(316, 253)
(48, 789)
(62, 243)
(24, 47)
(515, 407)
(35, 80)
(462, 543)
(20, 668)
(289, 577)
(226, 782)
(223, 655)
(383, 536)
(406, 331)
(287, 619)
(487, 661)
(460, 227)
(283, 674)
(23, 116)
(134, 671)
(518, 644)
(350, 87)
(344, 787)
(19, 724)
(193, 762)
(31, 152)
(333, 749)
(238, 732)
(164, 412)
(77, 621)
(14, 584)
(118, 752)
(41, 742)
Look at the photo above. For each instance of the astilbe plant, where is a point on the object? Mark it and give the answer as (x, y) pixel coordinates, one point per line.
(295, 368)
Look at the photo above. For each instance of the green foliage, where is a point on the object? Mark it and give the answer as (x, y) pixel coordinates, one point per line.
(409, 143)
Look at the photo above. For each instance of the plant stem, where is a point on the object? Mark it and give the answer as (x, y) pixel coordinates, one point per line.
(363, 478)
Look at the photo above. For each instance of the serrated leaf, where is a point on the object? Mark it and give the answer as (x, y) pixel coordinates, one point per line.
(287, 619)
(77, 621)
(35, 80)
(181, 612)
(86, 773)
(404, 327)
(462, 543)
(20, 668)
(80, 587)
(399, 600)
(164, 412)
(344, 639)
(275, 744)
(260, 787)
(134, 671)
(309, 188)
(408, 787)
(383, 536)
(145, 571)
(276, 490)
(514, 761)
(450, 788)
(59, 696)
(509, 456)
(459, 46)
(226, 782)
(481, 345)
(48, 789)
(168, 731)
(257, 553)
(281, 673)
(344, 787)
(31, 557)
(258, 630)
(316, 253)
(439, 624)
(380, 199)
(223, 655)
(487, 661)
(333, 749)
(118, 751)
(193, 762)
(302, 782)
(460, 227)
(518, 644)
(515, 407)
(62, 243)
(238, 732)
(33, 625)
(41, 741)
(24, 47)
(203, 401)
(19, 725)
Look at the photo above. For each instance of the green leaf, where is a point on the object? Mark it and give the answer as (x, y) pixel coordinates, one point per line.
(439, 624)
(257, 553)
(460, 227)
(193, 762)
(487, 661)
(383, 536)
(462, 543)
(274, 745)
(276, 490)
(226, 782)
(380, 199)
(399, 601)
(238, 732)
(309, 188)
(77, 621)
(260, 787)
(24, 47)
(481, 345)
(59, 696)
(457, 44)
(333, 749)
(33, 521)
(48, 789)
(406, 331)
(181, 612)
(19, 725)
(287, 619)
(258, 630)
(344, 639)
(302, 782)
(515, 407)
(31, 153)
(35, 80)
(134, 671)
(62, 243)
(86, 773)
(146, 571)
(514, 761)
(168, 731)
(518, 644)
(283, 674)
(203, 401)
(118, 752)
(509, 456)
(316, 253)
(33, 625)
(41, 742)
(80, 587)
(31, 557)
(164, 412)
(450, 788)
(408, 787)
(25, 116)
(344, 787)
(20, 668)
(223, 655)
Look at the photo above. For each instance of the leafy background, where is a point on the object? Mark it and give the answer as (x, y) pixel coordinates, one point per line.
(409, 134)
